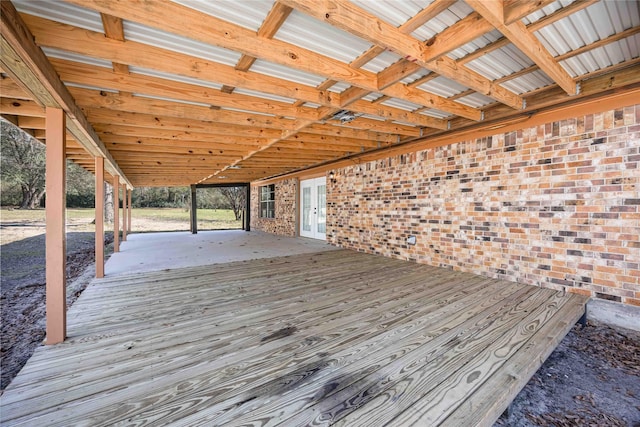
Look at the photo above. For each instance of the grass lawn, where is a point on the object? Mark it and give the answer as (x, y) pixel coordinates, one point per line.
(177, 219)
(143, 219)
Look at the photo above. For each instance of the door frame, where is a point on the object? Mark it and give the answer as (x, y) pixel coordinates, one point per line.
(312, 183)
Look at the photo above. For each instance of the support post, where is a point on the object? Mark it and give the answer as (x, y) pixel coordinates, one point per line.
(125, 214)
(56, 248)
(116, 213)
(99, 211)
(248, 216)
(130, 209)
(194, 209)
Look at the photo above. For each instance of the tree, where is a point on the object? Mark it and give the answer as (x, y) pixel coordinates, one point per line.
(80, 187)
(23, 163)
(236, 196)
(108, 203)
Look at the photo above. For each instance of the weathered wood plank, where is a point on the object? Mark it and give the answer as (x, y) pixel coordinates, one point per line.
(315, 338)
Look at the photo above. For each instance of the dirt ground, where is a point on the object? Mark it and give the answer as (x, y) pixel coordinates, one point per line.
(591, 379)
(22, 281)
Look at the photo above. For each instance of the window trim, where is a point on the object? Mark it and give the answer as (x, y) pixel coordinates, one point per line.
(267, 205)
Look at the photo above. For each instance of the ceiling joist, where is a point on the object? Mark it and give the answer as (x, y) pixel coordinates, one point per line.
(169, 115)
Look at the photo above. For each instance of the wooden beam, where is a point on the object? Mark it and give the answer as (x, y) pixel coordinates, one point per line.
(515, 10)
(125, 215)
(113, 27)
(21, 107)
(100, 77)
(178, 19)
(462, 32)
(10, 89)
(274, 20)
(96, 101)
(62, 36)
(75, 72)
(35, 123)
(116, 213)
(99, 216)
(184, 137)
(172, 17)
(363, 24)
(56, 247)
(533, 27)
(517, 33)
(130, 209)
(27, 64)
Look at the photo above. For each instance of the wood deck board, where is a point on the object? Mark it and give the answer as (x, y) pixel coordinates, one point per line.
(336, 337)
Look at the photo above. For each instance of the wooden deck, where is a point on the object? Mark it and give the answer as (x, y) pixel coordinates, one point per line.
(333, 338)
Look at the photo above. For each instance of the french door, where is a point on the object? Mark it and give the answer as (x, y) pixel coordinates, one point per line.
(313, 208)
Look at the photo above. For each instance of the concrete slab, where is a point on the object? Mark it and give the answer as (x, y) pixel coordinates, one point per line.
(614, 314)
(159, 251)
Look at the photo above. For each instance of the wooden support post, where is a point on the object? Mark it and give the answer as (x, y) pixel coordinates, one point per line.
(99, 211)
(130, 209)
(194, 209)
(248, 215)
(125, 214)
(116, 213)
(56, 247)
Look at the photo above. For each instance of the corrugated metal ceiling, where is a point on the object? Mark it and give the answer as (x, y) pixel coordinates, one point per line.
(280, 71)
(582, 28)
(154, 37)
(248, 14)
(394, 12)
(61, 12)
(311, 34)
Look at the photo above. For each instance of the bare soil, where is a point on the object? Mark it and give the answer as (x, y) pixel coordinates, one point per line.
(22, 281)
(591, 379)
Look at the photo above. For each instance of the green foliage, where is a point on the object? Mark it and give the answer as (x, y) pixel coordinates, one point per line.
(23, 166)
(80, 187)
(160, 197)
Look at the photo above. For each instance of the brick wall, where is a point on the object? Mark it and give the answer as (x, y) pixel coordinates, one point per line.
(284, 223)
(556, 205)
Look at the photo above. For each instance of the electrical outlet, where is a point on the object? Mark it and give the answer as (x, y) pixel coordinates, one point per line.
(411, 240)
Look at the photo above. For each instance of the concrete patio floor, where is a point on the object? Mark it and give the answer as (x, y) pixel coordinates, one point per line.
(158, 251)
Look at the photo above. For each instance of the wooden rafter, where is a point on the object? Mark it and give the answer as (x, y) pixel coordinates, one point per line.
(182, 20)
(357, 21)
(274, 20)
(517, 33)
(192, 125)
(28, 65)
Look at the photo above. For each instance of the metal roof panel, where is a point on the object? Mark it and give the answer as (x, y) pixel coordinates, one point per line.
(442, 86)
(70, 56)
(309, 33)
(445, 19)
(286, 73)
(401, 104)
(173, 77)
(154, 37)
(381, 61)
(528, 82)
(475, 100)
(432, 112)
(392, 11)
(248, 14)
(61, 12)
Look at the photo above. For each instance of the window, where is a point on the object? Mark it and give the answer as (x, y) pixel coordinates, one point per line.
(268, 201)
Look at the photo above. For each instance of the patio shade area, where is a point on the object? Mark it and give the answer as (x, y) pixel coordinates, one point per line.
(336, 337)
